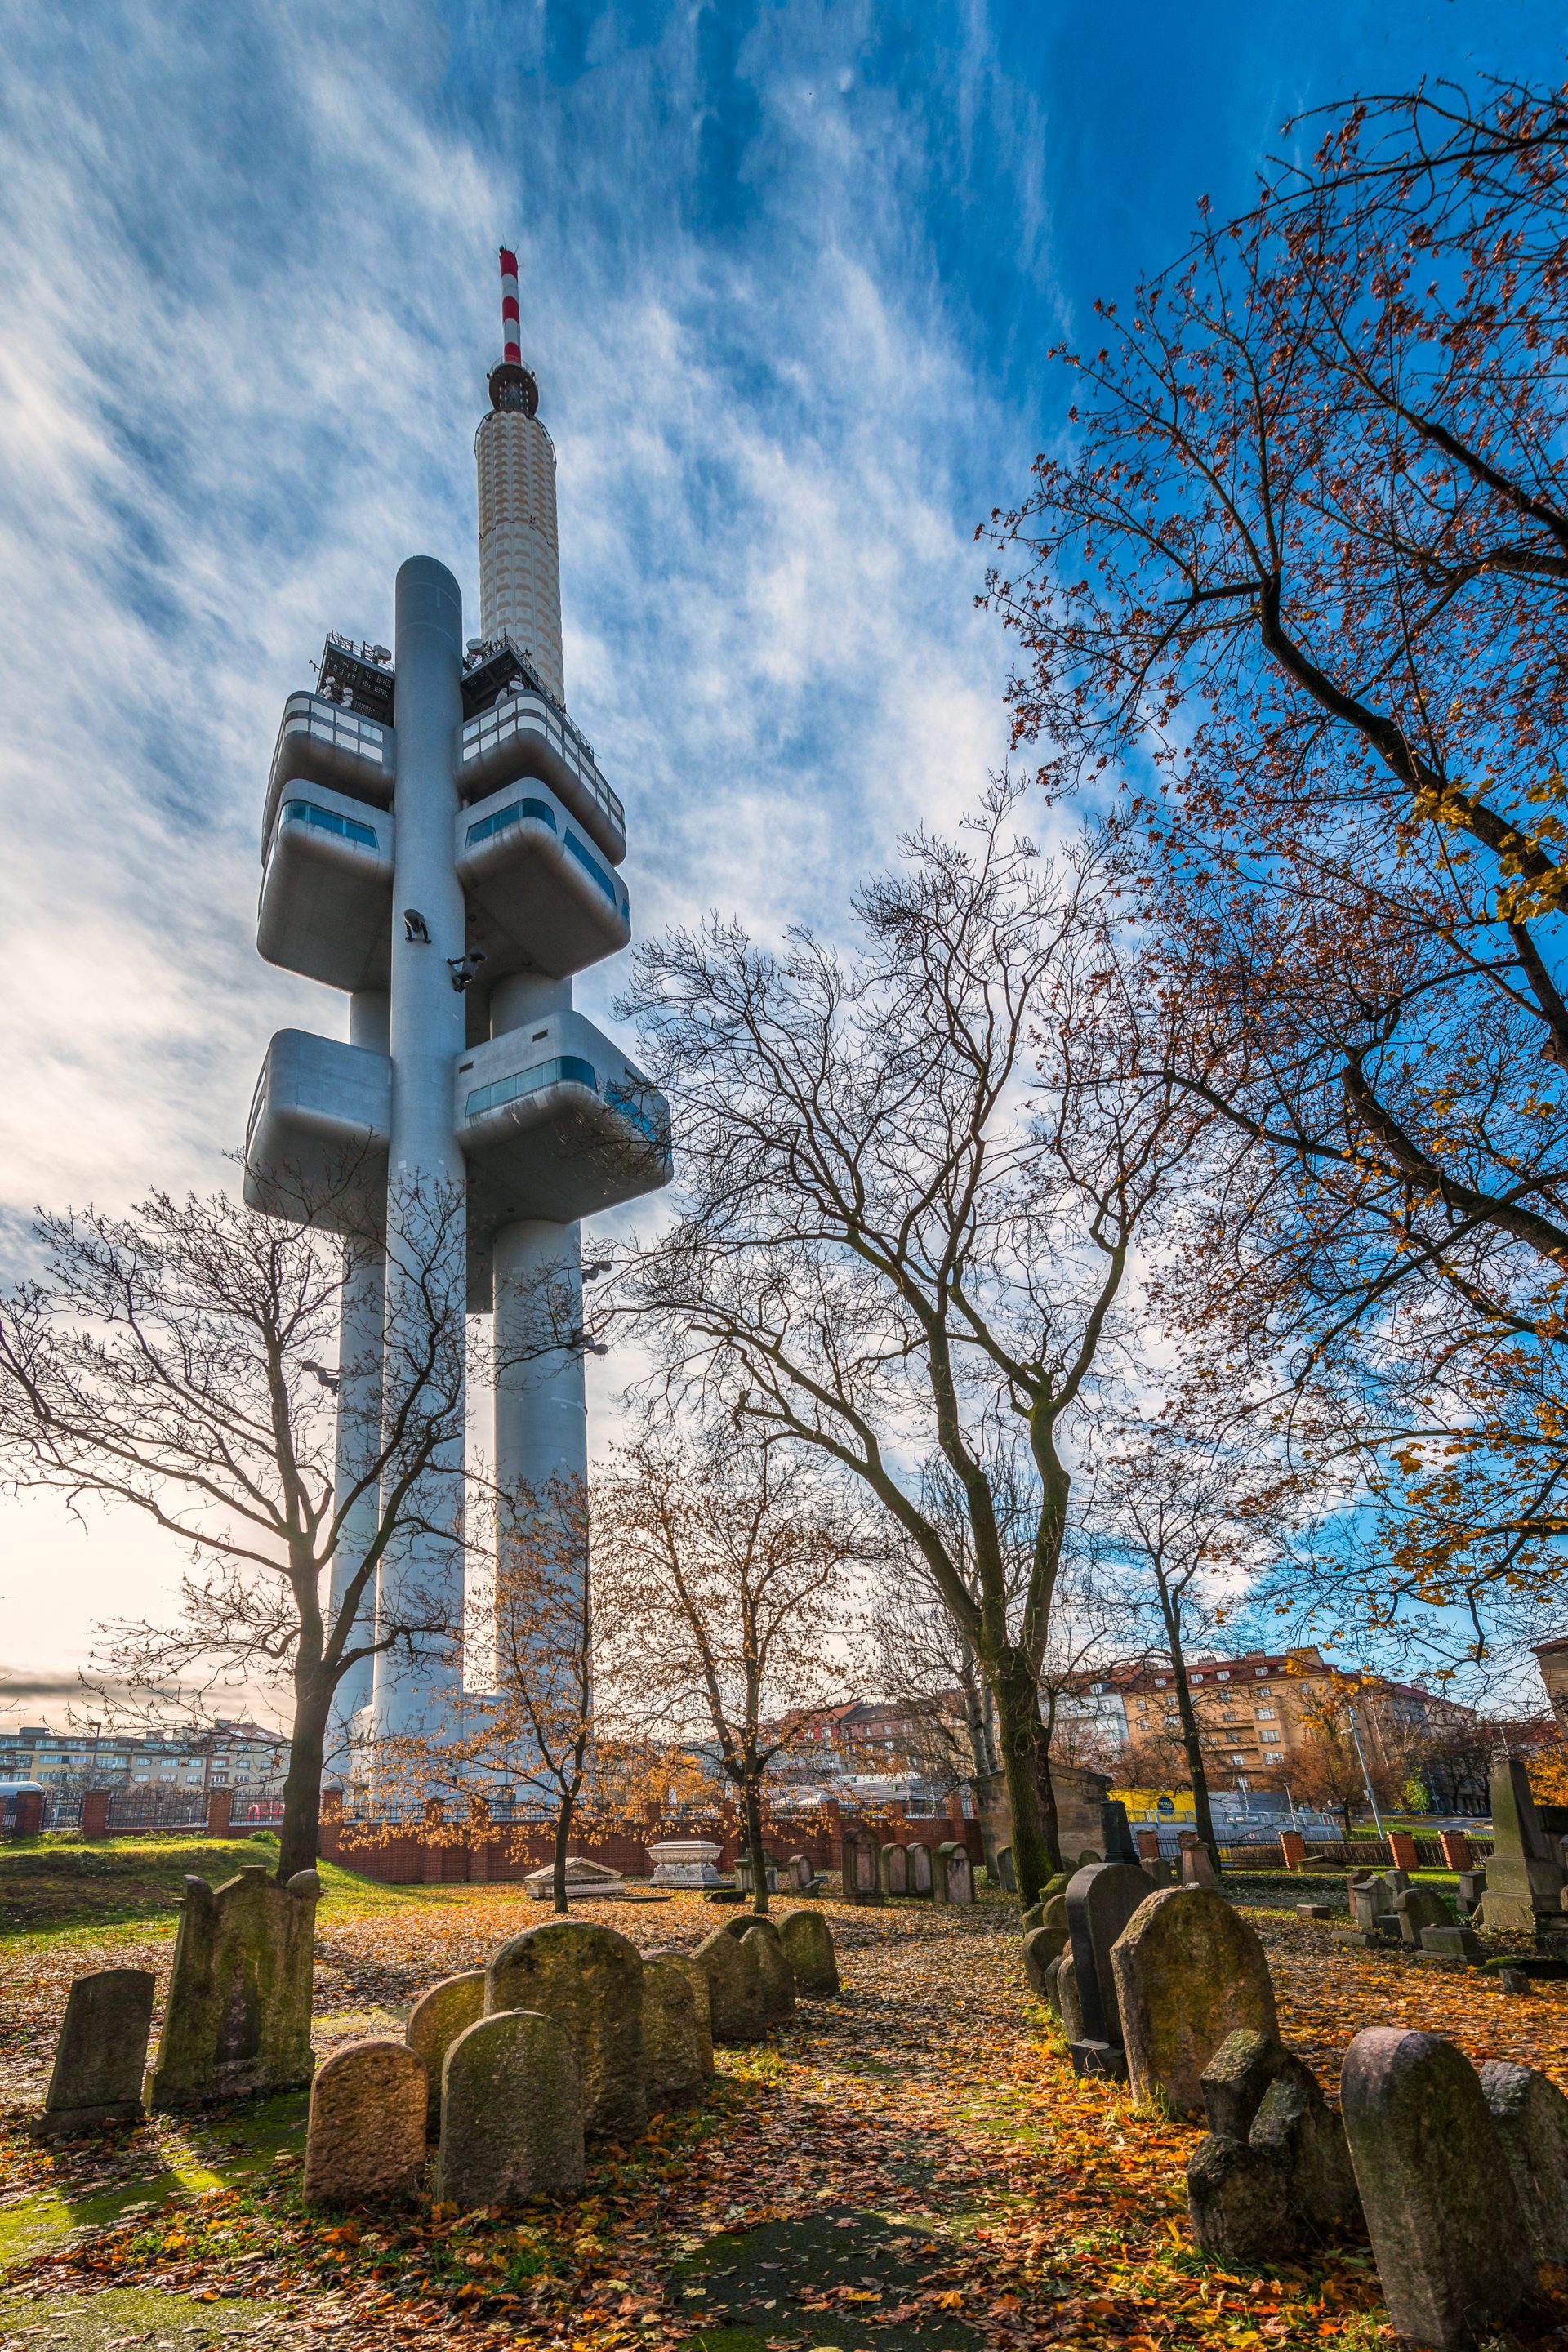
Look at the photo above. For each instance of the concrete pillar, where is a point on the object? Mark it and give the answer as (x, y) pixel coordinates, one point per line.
(422, 1574)
(359, 1411)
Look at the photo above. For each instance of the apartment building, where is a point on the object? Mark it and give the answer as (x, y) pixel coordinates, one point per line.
(226, 1755)
(1255, 1712)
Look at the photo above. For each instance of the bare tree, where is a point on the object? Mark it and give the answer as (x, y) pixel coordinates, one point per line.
(886, 1247)
(1181, 1527)
(176, 1360)
(721, 1570)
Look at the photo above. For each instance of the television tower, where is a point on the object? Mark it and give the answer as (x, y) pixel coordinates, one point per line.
(439, 844)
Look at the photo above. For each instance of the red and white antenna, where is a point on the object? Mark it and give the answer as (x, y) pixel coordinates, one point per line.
(511, 318)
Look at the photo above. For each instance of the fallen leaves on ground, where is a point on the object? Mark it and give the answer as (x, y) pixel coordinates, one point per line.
(1012, 2202)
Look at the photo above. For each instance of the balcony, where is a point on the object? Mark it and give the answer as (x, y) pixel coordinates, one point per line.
(326, 889)
(316, 1142)
(554, 1122)
(320, 743)
(539, 898)
(526, 734)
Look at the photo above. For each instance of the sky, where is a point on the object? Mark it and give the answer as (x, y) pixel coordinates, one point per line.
(792, 273)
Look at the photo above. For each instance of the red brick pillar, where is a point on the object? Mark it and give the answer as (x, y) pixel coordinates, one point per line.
(1148, 1844)
(29, 1812)
(1402, 1850)
(95, 1813)
(1292, 1849)
(220, 1810)
(1458, 1851)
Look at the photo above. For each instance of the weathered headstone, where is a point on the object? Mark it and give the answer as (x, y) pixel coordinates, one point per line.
(435, 2022)
(861, 1882)
(1275, 2168)
(1416, 1909)
(365, 2138)
(1236, 2196)
(1063, 1995)
(1005, 1875)
(808, 1942)
(1100, 1899)
(953, 1873)
(1239, 2076)
(919, 1872)
(1453, 2256)
(1460, 1945)
(745, 1877)
(1188, 1972)
(685, 1862)
(239, 2012)
(1524, 1878)
(1043, 1946)
(511, 2113)
(774, 1975)
(589, 1979)
(1472, 1889)
(802, 1872)
(1532, 2117)
(1314, 1910)
(893, 1870)
(1197, 1864)
(734, 1987)
(1298, 2130)
(677, 2051)
(101, 2056)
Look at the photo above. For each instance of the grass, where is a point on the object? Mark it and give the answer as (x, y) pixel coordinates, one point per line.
(52, 1885)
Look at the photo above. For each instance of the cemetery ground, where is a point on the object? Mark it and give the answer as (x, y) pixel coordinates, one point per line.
(910, 2164)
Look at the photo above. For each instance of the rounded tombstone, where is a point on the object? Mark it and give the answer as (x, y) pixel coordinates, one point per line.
(511, 2113)
(734, 1986)
(677, 2050)
(774, 1973)
(702, 2008)
(808, 1942)
(1189, 1972)
(435, 2022)
(589, 1979)
(364, 2141)
(1042, 1948)
(1101, 1898)
(919, 1869)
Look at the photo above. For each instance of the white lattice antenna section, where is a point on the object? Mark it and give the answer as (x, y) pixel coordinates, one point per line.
(519, 552)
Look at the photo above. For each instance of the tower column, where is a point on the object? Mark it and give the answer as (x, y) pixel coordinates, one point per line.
(422, 1579)
(358, 1417)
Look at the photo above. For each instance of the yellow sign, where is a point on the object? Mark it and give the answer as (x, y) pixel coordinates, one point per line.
(1144, 1805)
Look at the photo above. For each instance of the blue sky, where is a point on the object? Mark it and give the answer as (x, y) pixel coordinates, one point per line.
(790, 276)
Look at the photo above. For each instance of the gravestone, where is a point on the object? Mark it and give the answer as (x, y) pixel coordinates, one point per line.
(1532, 2117)
(586, 1882)
(239, 2012)
(1100, 1900)
(435, 2022)
(1524, 1878)
(808, 1942)
(1043, 1946)
(1188, 1971)
(1472, 1886)
(1275, 2172)
(1452, 2254)
(101, 2056)
(685, 1862)
(734, 1987)
(892, 1870)
(802, 1873)
(1005, 1875)
(1115, 1831)
(920, 1870)
(953, 1872)
(1416, 1908)
(859, 1861)
(1197, 1862)
(774, 1975)
(1063, 1995)
(365, 2138)
(745, 1879)
(588, 1979)
(677, 2051)
(511, 2113)
(1459, 1945)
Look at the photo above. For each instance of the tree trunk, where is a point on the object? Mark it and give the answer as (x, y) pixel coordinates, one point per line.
(300, 1831)
(752, 1812)
(1203, 1812)
(562, 1832)
(1026, 1766)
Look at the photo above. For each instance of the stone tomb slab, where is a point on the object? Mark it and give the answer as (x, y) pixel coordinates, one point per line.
(238, 2013)
(813, 2281)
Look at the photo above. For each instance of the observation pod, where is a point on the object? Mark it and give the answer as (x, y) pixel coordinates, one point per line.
(440, 845)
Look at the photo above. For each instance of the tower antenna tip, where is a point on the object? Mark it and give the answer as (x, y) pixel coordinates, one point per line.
(510, 317)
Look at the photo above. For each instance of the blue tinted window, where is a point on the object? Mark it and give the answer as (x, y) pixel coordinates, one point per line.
(528, 1082)
(637, 1105)
(586, 857)
(513, 813)
(328, 821)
